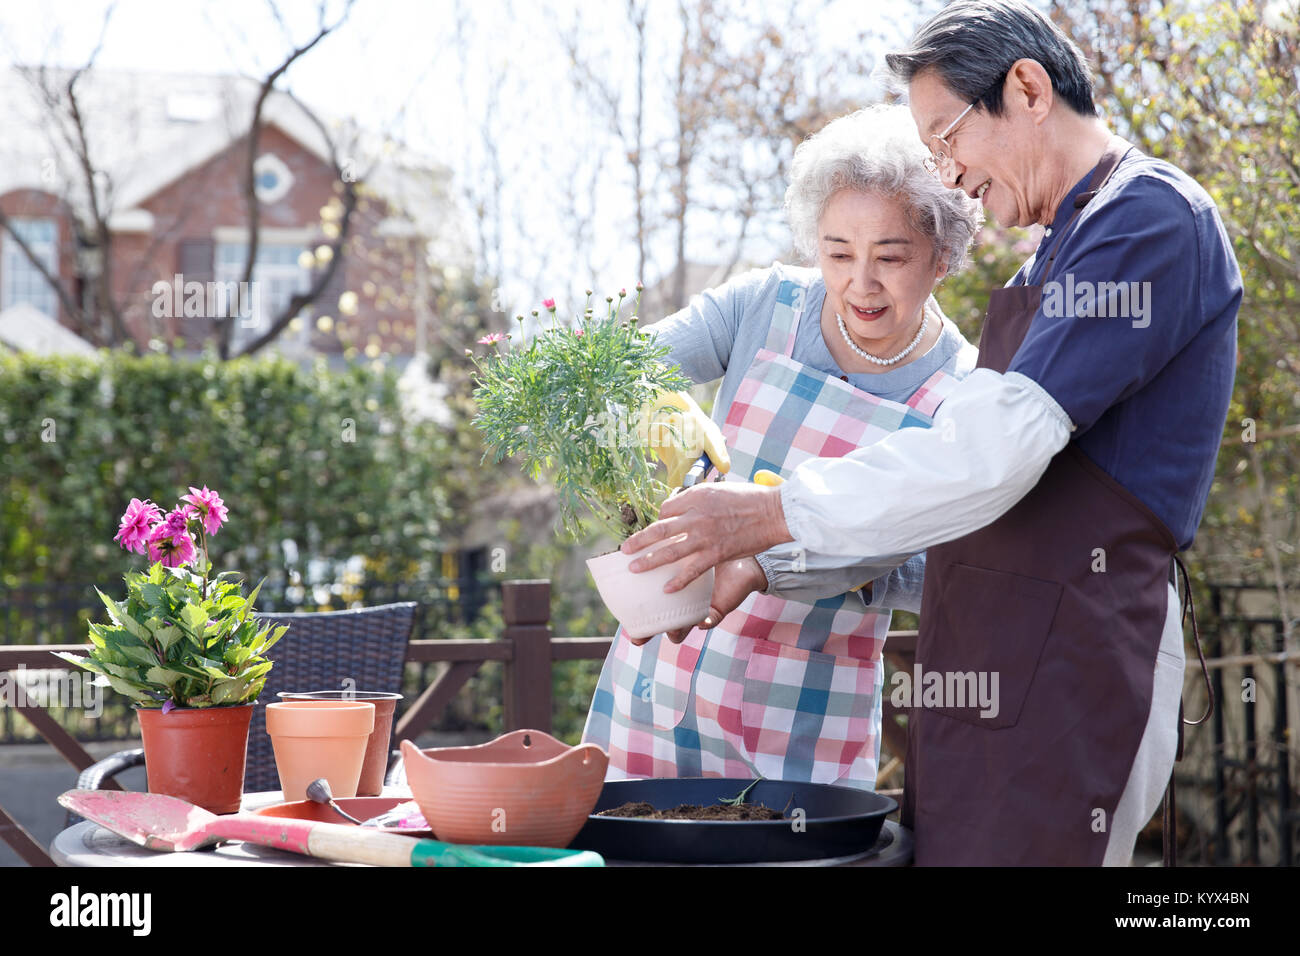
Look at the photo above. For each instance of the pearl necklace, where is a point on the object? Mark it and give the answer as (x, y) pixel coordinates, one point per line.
(925, 319)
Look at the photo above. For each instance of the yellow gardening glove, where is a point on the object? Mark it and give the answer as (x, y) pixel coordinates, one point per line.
(677, 430)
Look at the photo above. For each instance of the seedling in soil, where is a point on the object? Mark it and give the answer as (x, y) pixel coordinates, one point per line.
(740, 798)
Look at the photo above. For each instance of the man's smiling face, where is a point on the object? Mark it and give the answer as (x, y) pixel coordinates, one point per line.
(993, 158)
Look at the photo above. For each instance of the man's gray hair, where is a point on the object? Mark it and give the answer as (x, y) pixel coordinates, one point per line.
(878, 150)
(973, 43)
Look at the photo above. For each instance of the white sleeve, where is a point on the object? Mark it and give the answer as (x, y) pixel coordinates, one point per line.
(990, 442)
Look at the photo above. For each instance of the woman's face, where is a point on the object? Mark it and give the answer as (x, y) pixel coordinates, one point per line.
(878, 269)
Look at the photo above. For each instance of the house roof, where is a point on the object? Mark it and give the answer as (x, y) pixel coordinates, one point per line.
(25, 328)
(147, 129)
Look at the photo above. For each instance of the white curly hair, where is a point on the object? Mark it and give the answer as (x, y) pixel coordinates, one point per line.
(878, 149)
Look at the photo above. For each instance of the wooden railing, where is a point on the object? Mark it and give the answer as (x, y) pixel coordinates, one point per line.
(527, 650)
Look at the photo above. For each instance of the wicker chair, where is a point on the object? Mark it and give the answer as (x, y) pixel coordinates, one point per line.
(318, 652)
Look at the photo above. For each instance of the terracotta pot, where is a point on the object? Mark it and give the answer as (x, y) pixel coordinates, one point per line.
(523, 789)
(638, 600)
(197, 753)
(319, 738)
(375, 766)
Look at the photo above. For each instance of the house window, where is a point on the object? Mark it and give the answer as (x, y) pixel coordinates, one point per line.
(277, 277)
(20, 281)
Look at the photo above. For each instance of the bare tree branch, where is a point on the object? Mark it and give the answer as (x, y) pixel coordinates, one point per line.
(72, 127)
(65, 298)
(225, 325)
(302, 299)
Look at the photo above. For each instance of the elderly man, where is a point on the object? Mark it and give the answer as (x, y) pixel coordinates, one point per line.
(1058, 479)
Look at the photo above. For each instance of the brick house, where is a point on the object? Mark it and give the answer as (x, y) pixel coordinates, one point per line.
(171, 152)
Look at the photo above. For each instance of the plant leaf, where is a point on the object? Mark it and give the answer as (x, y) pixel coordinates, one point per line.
(229, 690)
(129, 689)
(196, 619)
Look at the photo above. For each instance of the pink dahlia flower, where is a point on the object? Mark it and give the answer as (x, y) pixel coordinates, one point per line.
(206, 505)
(166, 545)
(136, 524)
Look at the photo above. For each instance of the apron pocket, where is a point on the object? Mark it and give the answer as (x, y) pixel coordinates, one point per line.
(806, 715)
(632, 679)
(986, 648)
(674, 672)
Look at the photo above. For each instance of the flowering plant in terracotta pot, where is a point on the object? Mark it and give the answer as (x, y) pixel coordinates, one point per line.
(181, 638)
(185, 647)
(591, 405)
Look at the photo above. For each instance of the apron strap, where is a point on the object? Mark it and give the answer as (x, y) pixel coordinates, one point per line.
(1190, 607)
(1170, 817)
(1115, 152)
(791, 303)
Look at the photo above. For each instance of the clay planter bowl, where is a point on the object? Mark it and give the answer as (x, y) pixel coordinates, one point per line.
(523, 789)
(373, 769)
(638, 601)
(319, 738)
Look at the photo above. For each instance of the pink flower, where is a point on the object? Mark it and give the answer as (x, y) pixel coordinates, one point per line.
(136, 523)
(578, 333)
(169, 546)
(548, 304)
(177, 521)
(207, 505)
(493, 339)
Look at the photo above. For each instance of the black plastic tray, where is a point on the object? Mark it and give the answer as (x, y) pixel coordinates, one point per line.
(835, 822)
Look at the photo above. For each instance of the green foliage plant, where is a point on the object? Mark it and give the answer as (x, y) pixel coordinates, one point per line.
(566, 402)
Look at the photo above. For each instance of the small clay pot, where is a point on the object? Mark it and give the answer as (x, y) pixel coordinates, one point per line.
(638, 601)
(319, 738)
(197, 753)
(377, 748)
(523, 789)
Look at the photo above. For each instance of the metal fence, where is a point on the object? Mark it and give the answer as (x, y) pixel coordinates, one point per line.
(1249, 778)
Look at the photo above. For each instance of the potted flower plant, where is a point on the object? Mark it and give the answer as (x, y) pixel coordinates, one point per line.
(590, 406)
(185, 647)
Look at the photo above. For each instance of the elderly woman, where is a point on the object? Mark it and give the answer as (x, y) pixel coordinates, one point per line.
(814, 363)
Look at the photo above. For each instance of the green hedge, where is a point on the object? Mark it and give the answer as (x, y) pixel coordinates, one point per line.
(326, 459)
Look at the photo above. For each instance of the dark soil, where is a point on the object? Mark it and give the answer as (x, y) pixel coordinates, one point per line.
(692, 811)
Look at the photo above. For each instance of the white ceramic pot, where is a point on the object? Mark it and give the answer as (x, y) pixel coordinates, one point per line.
(639, 601)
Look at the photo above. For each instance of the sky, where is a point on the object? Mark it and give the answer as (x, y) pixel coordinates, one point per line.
(446, 77)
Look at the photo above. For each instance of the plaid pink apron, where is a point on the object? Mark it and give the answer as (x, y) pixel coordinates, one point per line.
(785, 689)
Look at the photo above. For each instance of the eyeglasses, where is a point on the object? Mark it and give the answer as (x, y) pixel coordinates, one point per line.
(940, 161)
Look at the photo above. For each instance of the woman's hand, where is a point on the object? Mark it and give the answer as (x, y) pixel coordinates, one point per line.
(733, 581)
(707, 525)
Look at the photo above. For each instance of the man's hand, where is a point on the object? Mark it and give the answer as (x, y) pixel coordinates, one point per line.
(707, 525)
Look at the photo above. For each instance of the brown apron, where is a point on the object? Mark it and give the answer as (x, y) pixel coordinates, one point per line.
(1074, 649)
